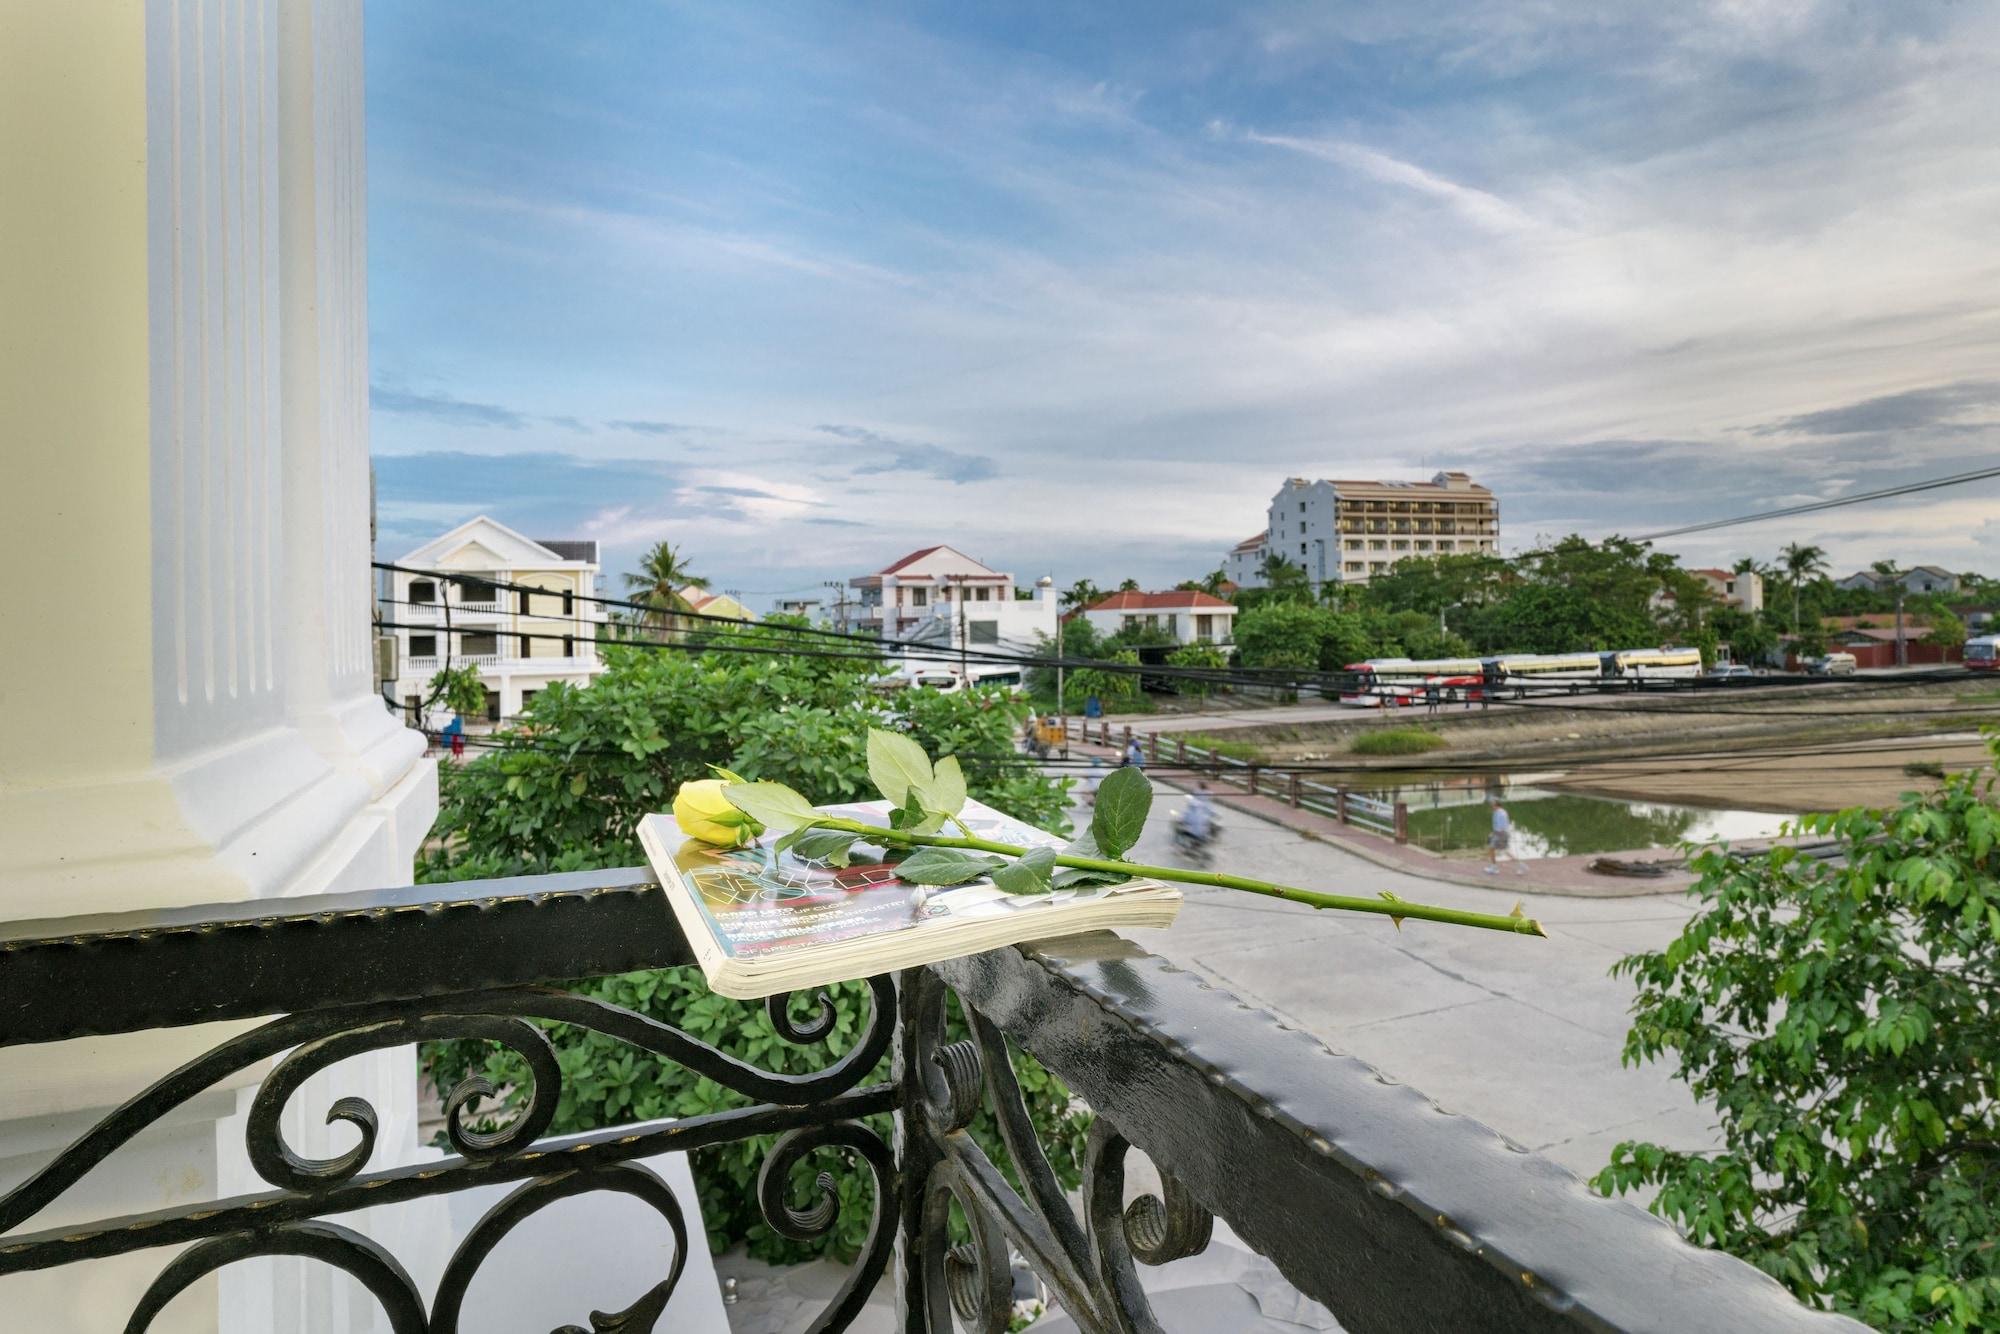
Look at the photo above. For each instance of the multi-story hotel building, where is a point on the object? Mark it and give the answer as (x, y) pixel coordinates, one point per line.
(1351, 531)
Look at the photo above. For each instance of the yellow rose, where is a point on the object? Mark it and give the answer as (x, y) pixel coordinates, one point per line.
(705, 813)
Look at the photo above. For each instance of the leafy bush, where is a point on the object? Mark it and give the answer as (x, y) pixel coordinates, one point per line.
(1118, 692)
(1396, 741)
(565, 791)
(1204, 657)
(1839, 1019)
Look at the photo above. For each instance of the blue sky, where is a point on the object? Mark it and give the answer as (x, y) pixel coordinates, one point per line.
(802, 287)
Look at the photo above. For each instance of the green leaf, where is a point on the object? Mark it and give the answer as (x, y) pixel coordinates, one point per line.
(773, 805)
(726, 775)
(823, 845)
(1083, 877)
(578, 784)
(944, 866)
(947, 789)
(896, 764)
(1123, 801)
(1029, 873)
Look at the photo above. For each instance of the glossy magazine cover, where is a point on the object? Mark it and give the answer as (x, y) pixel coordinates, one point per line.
(758, 902)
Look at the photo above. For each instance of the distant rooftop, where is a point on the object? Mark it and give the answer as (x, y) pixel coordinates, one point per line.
(1178, 599)
(583, 549)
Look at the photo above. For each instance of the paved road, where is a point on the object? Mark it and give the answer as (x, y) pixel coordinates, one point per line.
(1519, 1033)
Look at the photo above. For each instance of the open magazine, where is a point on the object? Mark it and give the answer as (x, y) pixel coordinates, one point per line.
(761, 921)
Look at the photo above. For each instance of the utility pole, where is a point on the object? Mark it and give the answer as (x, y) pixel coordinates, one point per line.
(1902, 653)
(964, 673)
(840, 601)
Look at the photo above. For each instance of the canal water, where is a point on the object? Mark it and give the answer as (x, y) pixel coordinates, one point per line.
(1451, 815)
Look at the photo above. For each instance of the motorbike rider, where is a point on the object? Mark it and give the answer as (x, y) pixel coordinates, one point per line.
(1198, 820)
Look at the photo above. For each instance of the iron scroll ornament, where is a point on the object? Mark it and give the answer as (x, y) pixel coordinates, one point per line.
(809, 1111)
(1089, 1263)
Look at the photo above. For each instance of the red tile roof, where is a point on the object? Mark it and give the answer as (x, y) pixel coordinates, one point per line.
(1176, 600)
(1252, 543)
(910, 559)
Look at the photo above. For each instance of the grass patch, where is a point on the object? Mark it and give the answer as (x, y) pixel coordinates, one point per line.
(1924, 769)
(1396, 741)
(1223, 746)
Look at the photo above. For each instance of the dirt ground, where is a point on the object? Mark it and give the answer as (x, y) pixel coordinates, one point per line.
(1807, 779)
(1831, 748)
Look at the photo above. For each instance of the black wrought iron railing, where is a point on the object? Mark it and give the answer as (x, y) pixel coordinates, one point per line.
(1396, 1215)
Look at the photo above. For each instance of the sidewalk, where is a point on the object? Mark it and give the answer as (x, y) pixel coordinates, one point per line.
(1565, 876)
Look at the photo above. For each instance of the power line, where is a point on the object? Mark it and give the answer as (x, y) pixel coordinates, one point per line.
(1885, 493)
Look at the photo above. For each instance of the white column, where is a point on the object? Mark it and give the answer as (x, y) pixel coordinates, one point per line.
(184, 392)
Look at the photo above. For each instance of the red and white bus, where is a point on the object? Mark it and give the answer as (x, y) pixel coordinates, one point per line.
(1391, 683)
(1983, 653)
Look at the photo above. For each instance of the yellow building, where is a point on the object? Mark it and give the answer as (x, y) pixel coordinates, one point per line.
(1351, 531)
(483, 615)
(704, 603)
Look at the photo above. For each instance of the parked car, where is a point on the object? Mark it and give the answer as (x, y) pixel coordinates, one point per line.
(1729, 671)
(1832, 664)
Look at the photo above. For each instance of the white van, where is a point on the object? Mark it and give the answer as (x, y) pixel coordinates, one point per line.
(1832, 664)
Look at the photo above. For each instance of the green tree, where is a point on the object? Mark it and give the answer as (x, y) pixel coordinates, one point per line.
(1285, 581)
(566, 790)
(1115, 691)
(1838, 1017)
(1282, 635)
(657, 583)
(1206, 657)
(1753, 641)
(1946, 631)
(460, 690)
(1800, 561)
(1128, 585)
(1080, 595)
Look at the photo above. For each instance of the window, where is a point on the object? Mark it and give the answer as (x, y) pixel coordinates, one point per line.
(476, 645)
(1354, 567)
(1204, 627)
(984, 595)
(1129, 622)
(477, 590)
(526, 695)
(1302, 548)
(527, 647)
(412, 710)
(423, 592)
(1302, 507)
(492, 706)
(1302, 527)
(983, 632)
(919, 596)
(423, 646)
(569, 646)
(1173, 624)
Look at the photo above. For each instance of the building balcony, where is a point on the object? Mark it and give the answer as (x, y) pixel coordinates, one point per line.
(1357, 1190)
(417, 666)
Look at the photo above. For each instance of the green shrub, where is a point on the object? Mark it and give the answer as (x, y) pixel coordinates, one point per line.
(1224, 746)
(1836, 1018)
(565, 790)
(1396, 741)
(1206, 657)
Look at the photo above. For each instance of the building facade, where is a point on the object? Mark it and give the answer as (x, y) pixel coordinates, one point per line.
(520, 642)
(1916, 579)
(942, 583)
(1351, 531)
(1189, 616)
(1741, 589)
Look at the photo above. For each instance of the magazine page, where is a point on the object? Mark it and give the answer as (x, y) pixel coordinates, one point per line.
(759, 903)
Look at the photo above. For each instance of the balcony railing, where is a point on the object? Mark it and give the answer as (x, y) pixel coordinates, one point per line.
(1396, 1215)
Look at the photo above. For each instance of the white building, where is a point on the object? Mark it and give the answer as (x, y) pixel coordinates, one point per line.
(1916, 579)
(521, 642)
(1743, 590)
(1189, 616)
(1351, 531)
(1244, 565)
(942, 596)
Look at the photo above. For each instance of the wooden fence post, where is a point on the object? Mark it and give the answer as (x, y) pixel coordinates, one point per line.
(1292, 791)
(1180, 748)
(1253, 780)
(1152, 747)
(1340, 804)
(1402, 823)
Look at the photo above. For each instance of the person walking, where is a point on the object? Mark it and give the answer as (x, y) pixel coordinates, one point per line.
(1497, 842)
(1431, 699)
(1134, 757)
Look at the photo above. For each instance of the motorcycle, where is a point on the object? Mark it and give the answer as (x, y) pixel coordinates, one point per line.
(1196, 847)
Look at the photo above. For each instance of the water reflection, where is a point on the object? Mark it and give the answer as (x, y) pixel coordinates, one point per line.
(1453, 817)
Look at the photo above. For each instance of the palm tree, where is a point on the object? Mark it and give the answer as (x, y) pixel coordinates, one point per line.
(1801, 562)
(1080, 594)
(1285, 579)
(657, 584)
(1128, 586)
